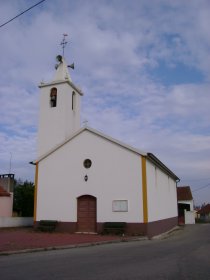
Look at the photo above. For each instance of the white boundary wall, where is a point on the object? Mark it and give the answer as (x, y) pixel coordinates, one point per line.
(189, 217)
(16, 221)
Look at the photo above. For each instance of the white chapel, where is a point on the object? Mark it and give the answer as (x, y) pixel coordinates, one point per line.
(85, 179)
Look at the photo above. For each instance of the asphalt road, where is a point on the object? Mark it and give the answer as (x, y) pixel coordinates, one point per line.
(185, 254)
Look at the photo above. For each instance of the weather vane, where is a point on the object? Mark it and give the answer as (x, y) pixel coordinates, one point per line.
(60, 58)
(64, 42)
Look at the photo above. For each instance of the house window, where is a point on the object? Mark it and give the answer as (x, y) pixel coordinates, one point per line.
(87, 163)
(73, 100)
(119, 206)
(53, 97)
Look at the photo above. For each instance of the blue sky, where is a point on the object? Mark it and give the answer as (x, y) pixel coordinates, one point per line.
(144, 67)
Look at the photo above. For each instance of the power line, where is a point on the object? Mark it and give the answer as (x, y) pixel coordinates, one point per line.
(194, 180)
(206, 186)
(22, 13)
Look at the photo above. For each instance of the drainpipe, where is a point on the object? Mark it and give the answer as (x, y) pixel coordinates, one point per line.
(177, 181)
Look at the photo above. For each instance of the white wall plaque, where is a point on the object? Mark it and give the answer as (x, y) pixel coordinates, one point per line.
(120, 206)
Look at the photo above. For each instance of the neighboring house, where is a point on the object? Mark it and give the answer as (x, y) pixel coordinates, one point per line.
(204, 213)
(6, 203)
(185, 205)
(7, 181)
(196, 209)
(85, 178)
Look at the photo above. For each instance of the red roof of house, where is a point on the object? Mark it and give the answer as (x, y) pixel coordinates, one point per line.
(184, 193)
(205, 209)
(3, 192)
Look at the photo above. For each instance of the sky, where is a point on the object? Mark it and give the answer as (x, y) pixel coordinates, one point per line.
(144, 68)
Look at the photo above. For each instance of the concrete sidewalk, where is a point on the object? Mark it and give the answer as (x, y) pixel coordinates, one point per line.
(22, 240)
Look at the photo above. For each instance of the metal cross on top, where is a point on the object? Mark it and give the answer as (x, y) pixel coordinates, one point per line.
(85, 122)
(64, 42)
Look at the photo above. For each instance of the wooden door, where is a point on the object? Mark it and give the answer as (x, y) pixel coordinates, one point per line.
(86, 213)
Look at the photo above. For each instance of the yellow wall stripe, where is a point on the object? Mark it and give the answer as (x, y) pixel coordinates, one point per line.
(35, 190)
(144, 189)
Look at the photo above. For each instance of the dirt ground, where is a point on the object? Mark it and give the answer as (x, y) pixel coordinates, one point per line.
(15, 239)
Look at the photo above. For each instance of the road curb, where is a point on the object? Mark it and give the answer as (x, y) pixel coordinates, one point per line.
(166, 234)
(72, 246)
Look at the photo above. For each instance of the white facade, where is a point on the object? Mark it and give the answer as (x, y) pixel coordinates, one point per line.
(115, 174)
(162, 194)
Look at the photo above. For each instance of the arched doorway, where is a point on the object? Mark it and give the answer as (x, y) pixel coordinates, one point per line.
(86, 213)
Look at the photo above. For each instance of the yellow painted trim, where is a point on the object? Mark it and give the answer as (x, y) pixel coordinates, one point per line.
(35, 190)
(144, 189)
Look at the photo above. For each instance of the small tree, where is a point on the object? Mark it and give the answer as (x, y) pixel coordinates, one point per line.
(23, 202)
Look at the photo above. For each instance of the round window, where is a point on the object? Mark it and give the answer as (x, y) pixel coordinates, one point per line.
(87, 163)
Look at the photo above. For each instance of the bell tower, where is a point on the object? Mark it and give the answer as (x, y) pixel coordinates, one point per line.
(59, 114)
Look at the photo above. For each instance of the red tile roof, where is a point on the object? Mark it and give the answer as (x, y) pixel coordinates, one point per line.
(205, 209)
(3, 192)
(184, 193)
